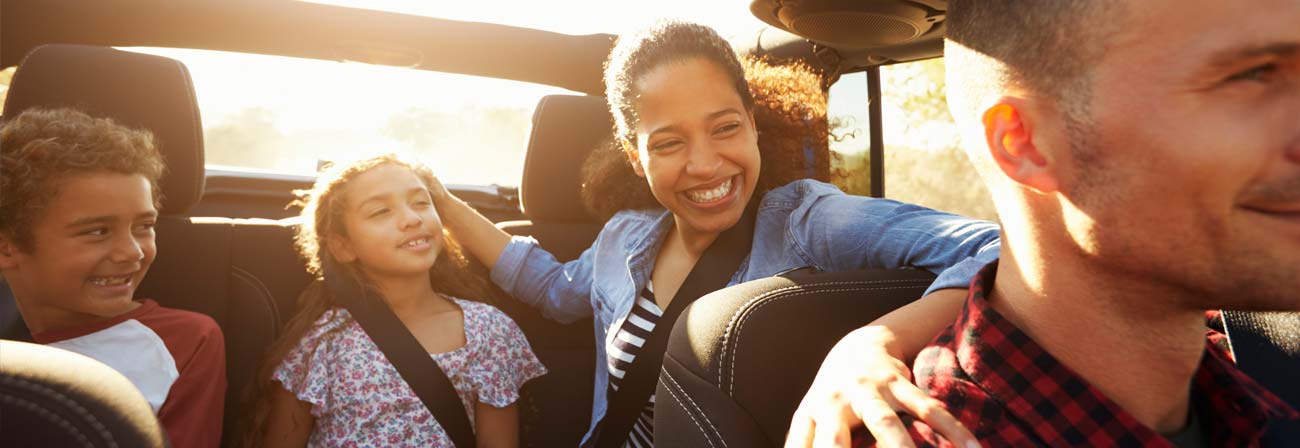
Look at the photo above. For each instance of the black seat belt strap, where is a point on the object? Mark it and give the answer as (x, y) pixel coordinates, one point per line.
(711, 272)
(405, 353)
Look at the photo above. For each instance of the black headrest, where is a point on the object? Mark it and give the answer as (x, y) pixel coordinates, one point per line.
(135, 90)
(565, 129)
(53, 397)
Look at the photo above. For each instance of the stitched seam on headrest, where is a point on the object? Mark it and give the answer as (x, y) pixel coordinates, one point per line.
(670, 386)
(529, 153)
(264, 293)
(18, 74)
(197, 127)
(764, 300)
(63, 400)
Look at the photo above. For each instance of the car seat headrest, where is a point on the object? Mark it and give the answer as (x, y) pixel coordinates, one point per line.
(565, 129)
(135, 90)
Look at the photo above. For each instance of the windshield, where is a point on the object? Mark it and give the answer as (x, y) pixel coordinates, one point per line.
(287, 115)
(729, 17)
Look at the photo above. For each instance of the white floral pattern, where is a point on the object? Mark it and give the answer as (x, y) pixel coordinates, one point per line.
(359, 399)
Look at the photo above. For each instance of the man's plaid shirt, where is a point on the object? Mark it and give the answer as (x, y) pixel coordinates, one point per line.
(1011, 392)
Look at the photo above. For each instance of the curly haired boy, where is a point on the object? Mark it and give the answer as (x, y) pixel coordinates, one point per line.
(78, 202)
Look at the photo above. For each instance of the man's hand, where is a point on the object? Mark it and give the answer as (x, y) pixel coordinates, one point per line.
(861, 383)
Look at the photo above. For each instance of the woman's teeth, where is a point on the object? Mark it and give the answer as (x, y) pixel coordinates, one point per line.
(110, 281)
(710, 195)
(416, 243)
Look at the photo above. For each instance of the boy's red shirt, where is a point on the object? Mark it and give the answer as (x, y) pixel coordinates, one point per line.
(177, 358)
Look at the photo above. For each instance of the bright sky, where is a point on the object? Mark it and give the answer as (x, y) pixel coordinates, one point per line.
(284, 114)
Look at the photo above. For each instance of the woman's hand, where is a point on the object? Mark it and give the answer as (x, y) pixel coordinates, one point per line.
(860, 382)
(438, 192)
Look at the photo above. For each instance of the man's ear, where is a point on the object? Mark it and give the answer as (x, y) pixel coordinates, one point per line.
(341, 249)
(1009, 130)
(8, 253)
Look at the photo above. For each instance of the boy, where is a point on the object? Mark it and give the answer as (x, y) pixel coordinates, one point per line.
(78, 202)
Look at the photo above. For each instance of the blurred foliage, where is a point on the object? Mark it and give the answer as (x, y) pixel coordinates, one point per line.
(924, 161)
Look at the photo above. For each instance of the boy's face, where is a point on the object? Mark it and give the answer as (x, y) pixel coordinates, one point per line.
(90, 249)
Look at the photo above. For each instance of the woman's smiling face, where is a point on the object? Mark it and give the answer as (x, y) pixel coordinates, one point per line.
(696, 144)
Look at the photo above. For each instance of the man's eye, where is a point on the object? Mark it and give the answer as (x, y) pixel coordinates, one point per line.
(1260, 73)
(145, 226)
(98, 231)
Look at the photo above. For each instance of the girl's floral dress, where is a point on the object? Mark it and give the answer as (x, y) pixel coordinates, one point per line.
(359, 399)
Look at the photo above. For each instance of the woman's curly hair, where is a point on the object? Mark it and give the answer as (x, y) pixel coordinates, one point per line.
(41, 147)
(789, 109)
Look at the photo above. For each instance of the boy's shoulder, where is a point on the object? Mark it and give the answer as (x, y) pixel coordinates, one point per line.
(174, 322)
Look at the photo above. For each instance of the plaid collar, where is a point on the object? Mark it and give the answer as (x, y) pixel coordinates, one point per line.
(1056, 405)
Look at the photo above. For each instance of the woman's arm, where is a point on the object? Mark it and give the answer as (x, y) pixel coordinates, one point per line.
(475, 232)
(865, 380)
(525, 271)
(496, 427)
(289, 422)
(841, 232)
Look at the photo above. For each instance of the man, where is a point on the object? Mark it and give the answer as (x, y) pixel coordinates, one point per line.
(1144, 158)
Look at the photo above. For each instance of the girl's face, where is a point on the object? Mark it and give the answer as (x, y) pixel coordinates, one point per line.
(696, 144)
(393, 230)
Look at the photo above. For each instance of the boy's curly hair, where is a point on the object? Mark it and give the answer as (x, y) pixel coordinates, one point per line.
(41, 147)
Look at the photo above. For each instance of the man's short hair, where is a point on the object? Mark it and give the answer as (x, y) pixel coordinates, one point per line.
(1044, 45)
(40, 148)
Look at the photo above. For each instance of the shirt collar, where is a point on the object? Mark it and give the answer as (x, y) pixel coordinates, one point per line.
(1033, 384)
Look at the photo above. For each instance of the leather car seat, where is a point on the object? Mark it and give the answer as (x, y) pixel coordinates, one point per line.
(54, 397)
(740, 359)
(565, 129)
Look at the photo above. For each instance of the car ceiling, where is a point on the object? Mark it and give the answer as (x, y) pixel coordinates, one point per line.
(310, 30)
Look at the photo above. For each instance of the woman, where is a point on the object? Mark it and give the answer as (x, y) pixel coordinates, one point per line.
(684, 118)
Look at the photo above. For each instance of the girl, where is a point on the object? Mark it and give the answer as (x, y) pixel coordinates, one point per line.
(685, 123)
(327, 382)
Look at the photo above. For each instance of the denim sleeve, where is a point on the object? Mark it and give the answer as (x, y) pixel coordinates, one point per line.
(531, 274)
(843, 232)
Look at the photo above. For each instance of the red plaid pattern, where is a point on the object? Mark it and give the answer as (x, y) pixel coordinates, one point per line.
(1011, 392)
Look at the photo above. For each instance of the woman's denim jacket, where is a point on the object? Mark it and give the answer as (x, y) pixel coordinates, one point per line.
(804, 223)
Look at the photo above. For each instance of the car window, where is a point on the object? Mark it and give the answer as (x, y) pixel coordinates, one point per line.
(924, 163)
(286, 114)
(6, 75)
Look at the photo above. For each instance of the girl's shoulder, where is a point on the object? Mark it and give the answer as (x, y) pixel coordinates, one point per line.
(333, 324)
(484, 319)
(479, 311)
(331, 320)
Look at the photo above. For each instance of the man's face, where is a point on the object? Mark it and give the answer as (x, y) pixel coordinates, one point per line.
(1195, 141)
(90, 249)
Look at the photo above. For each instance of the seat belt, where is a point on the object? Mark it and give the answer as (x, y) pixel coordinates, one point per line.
(1266, 346)
(405, 353)
(711, 272)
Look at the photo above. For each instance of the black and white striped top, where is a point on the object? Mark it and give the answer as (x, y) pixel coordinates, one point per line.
(623, 348)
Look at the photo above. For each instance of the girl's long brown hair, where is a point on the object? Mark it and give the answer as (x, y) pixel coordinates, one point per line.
(322, 218)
